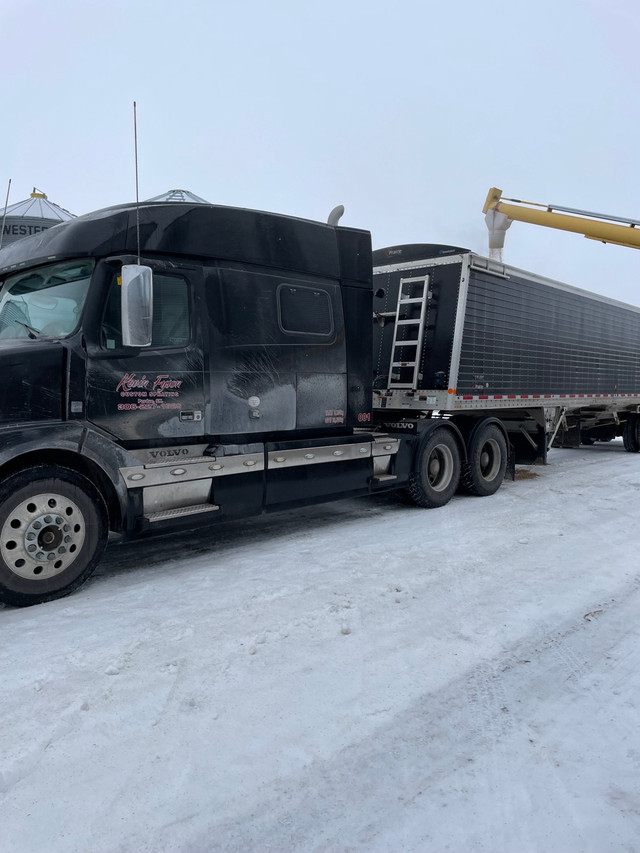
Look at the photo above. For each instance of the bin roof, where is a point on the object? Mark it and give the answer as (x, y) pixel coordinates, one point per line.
(38, 206)
(179, 195)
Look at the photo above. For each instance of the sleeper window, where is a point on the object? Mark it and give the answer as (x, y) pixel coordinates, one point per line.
(304, 310)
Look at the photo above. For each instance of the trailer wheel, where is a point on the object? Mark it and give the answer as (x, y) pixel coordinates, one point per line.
(487, 461)
(631, 434)
(53, 530)
(437, 473)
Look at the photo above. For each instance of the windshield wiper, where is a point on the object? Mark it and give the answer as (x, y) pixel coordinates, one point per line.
(33, 333)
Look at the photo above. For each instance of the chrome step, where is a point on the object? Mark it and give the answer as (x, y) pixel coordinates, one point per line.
(179, 512)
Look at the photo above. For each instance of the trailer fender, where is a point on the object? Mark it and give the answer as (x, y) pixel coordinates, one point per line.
(425, 427)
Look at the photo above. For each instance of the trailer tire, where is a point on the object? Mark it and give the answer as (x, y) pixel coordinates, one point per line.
(486, 461)
(53, 530)
(631, 434)
(435, 478)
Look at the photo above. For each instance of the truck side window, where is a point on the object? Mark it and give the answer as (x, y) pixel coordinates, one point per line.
(171, 315)
(304, 310)
(45, 302)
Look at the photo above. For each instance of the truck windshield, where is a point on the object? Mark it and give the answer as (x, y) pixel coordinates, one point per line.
(44, 302)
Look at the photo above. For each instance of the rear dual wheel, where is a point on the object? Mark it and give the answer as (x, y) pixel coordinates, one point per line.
(437, 472)
(487, 461)
(53, 530)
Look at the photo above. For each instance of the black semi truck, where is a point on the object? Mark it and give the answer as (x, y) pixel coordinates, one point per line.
(172, 365)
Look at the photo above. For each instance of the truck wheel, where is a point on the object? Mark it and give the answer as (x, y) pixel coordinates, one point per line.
(487, 461)
(631, 434)
(53, 530)
(435, 477)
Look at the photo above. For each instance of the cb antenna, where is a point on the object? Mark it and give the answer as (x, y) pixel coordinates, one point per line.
(4, 215)
(135, 145)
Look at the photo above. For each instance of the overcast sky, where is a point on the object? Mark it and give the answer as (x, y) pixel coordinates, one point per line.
(406, 112)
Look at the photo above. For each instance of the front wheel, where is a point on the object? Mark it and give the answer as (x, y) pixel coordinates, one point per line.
(435, 477)
(53, 530)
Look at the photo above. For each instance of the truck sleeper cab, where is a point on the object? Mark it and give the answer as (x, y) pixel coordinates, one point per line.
(238, 381)
(223, 365)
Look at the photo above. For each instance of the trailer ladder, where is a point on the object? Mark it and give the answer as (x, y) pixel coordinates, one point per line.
(408, 334)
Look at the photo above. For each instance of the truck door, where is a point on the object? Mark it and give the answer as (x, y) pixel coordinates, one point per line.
(155, 393)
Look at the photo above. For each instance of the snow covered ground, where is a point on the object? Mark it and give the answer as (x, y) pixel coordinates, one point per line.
(358, 676)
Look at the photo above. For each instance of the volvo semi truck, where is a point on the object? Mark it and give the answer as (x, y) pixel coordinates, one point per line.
(165, 366)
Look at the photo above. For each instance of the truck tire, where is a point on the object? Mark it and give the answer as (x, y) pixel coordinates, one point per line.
(437, 472)
(486, 461)
(631, 434)
(53, 530)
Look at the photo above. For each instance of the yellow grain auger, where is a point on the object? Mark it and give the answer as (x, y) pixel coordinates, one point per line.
(501, 212)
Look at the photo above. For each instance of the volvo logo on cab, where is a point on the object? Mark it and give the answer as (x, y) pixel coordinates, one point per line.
(168, 452)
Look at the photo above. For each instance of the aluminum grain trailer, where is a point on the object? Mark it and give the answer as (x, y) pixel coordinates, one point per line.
(470, 341)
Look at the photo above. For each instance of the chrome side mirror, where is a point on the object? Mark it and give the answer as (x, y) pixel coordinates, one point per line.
(137, 305)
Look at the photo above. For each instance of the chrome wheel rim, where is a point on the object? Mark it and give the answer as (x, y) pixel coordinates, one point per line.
(42, 536)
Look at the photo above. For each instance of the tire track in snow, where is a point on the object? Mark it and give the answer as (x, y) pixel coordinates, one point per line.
(502, 723)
